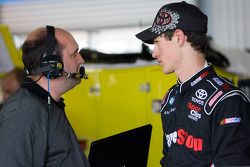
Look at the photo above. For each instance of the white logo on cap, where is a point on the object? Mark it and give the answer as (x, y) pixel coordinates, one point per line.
(165, 20)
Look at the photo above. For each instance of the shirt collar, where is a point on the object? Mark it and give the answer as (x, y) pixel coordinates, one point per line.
(38, 90)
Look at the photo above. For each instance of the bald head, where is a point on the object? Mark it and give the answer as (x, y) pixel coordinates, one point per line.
(36, 34)
(42, 32)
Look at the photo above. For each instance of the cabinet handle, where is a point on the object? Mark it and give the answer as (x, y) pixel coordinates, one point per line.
(145, 87)
(94, 89)
(156, 106)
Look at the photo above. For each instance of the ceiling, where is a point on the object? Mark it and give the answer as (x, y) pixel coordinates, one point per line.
(25, 15)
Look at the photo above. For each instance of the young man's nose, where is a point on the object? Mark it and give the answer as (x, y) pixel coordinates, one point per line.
(155, 53)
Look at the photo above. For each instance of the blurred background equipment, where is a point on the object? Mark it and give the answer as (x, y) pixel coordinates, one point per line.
(11, 82)
(93, 56)
(215, 57)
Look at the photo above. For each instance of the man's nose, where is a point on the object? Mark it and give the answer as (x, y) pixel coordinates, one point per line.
(80, 58)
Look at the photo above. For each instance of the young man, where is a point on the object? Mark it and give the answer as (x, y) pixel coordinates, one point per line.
(206, 120)
(34, 130)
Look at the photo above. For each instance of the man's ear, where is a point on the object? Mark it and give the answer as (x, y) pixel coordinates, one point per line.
(181, 37)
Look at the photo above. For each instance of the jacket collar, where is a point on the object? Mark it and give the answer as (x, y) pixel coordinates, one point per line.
(196, 79)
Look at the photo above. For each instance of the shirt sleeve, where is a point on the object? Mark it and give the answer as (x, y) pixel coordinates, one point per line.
(231, 132)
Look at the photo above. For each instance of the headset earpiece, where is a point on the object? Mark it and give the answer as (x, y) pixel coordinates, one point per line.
(51, 61)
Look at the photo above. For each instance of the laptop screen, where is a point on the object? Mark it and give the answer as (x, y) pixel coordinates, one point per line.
(126, 149)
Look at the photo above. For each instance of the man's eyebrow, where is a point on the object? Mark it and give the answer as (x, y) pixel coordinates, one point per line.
(76, 50)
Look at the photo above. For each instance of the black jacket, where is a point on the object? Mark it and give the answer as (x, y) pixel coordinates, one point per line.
(206, 121)
(31, 135)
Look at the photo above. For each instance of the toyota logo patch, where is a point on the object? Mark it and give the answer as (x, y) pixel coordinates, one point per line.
(201, 94)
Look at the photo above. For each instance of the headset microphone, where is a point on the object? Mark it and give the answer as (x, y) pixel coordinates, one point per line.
(81, 74)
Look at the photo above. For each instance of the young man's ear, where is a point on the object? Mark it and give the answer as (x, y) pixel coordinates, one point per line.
(181, 37)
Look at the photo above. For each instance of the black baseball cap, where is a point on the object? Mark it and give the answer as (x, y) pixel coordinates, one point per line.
(170, 17)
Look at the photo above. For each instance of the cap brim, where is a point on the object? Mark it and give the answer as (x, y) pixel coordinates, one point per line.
(147, 36)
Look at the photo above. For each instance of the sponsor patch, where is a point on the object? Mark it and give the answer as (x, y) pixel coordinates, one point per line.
(199, 78)
(226, 86)
(169, 111)
(194, 115)
(171, 101)
(218, 81)
(216, 96)
(191, 106)
(230, 120)
(171, 138)
(198, 101)
(196, 81)
(181, 137)
(201, 94)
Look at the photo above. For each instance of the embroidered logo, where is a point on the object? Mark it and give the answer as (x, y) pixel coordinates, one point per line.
(165, 20)
(171, 101)
(203, 75)
(169, 111)
(218, 81)
(201, 94)
(171, 138)
(194, 115)
(191, 106)
(182, 138)
(194, 111)
(200, 102)
(216, 96)
(225, 86)
(230, 120)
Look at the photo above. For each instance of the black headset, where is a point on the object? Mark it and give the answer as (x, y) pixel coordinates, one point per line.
(51, 65)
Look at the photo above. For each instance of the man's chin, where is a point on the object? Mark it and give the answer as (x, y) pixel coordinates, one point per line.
(78, 81)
